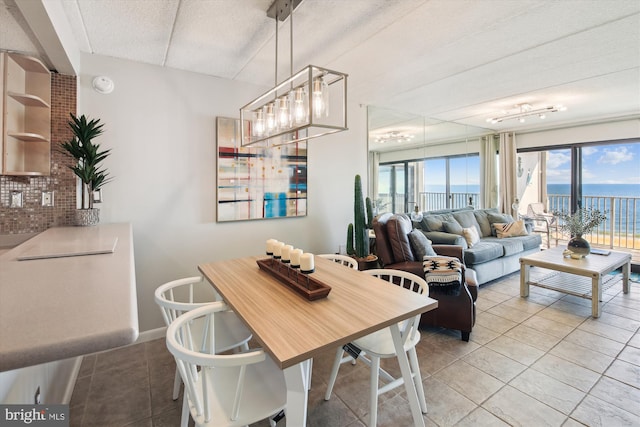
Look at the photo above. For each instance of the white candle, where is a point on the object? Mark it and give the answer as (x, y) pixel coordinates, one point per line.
(270, 244)
(277, 249)
(306, 263)
(295, 257)
(286, 253)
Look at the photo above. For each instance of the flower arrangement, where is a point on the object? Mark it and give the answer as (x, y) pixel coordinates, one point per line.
(583, 221)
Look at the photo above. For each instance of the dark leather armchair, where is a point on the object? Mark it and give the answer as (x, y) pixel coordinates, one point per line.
(394, 251)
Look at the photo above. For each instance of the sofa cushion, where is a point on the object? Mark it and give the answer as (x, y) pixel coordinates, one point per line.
(498, 218)
(467, 219)
(483, 251)
(442, 238)
(510, 229)
(471, 236)
(398, 229)
(530, 241)
(420, 245)
(511, 246)
(482, 217)
(452, 227)
(431, 222)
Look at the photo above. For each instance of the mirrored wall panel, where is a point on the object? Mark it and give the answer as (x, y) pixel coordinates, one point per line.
(421, 162)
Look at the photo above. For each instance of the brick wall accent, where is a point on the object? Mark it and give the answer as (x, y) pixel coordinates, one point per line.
(33, 217)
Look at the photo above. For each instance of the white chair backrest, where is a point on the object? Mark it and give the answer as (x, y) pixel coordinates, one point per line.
(401, 278)
(180, 296)
(197, 368)
(341, 259)
(536, 208)
(408, 281)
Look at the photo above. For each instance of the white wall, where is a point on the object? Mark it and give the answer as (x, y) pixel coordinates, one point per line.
(607, 131)
(160, 124)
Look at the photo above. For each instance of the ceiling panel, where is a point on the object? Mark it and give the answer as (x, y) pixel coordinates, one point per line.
(459, 60)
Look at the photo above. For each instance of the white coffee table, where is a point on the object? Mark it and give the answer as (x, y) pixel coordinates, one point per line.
(593, 267)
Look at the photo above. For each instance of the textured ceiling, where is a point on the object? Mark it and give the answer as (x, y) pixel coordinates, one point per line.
(451, 60)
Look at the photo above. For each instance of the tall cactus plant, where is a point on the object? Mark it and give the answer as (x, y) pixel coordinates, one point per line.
(357, 235)
(369, 212)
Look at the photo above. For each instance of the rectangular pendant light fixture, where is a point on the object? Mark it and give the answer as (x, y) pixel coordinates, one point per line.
(309, 104)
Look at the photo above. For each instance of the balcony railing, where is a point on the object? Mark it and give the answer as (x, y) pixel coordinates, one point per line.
(435, 201)
(620, 230)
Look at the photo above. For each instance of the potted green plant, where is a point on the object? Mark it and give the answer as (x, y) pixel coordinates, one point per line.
(88, 164)
(358, 231)
(582, 221)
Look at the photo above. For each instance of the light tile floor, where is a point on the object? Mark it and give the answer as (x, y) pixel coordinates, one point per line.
(530, 362)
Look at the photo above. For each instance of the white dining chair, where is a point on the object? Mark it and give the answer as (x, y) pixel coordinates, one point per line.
(223, 390)
(341, 259)
(183, 295)
(379, 345)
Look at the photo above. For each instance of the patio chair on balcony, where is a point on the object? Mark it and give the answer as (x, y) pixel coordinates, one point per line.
(542, 221)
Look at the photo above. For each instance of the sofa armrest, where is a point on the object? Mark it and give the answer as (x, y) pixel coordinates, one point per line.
(442, 238)
(449, 250)
(471, 281)
(414, 267)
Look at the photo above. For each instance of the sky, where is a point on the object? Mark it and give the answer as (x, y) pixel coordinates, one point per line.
(607, 164)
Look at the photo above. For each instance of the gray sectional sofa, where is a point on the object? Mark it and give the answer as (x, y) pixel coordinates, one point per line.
(491, 257)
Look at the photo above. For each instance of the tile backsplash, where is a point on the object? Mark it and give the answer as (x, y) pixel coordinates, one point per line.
(33, 217)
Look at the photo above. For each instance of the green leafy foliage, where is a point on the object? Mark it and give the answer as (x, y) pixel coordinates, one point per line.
(583, 221)
(88, 156)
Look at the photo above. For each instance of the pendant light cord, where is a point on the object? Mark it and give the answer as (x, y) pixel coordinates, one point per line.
(291, 37)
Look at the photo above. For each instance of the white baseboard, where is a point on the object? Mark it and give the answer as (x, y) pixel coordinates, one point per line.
(151, 335)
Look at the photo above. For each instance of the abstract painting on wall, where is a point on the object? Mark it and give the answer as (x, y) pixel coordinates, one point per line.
(255, 182)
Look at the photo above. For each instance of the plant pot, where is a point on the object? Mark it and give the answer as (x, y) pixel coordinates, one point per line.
(579, 246)
(85, 217)
(368, 263)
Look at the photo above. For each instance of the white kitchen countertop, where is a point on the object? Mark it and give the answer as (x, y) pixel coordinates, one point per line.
(70, 304)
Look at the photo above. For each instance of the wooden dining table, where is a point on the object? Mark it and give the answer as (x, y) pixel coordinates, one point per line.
(293, 329)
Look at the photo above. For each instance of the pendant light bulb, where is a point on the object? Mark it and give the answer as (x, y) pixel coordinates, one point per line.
(258, 122)
(283, 112)
(270, 117)
(320, 98)
(299, 106)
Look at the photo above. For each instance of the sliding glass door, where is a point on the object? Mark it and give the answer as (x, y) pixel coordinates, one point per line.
(590, 176)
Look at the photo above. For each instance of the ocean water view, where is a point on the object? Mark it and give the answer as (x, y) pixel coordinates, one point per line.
(625, 198)
(603, 190)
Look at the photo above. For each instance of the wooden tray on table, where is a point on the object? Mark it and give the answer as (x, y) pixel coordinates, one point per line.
(308, 286)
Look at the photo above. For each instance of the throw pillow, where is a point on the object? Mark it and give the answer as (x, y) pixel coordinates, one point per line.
(421, 245)
(471, 236)
(510, 229)
(482, 217)
(452, 227)
(443, 273)
(433, 222)
(498, 218)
